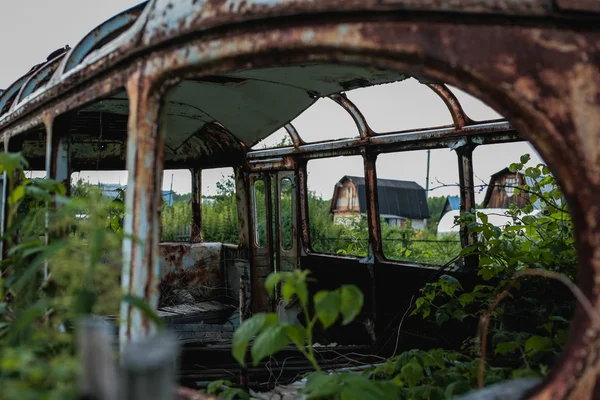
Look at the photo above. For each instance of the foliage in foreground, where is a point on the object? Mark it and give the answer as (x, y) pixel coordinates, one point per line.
(44, 289)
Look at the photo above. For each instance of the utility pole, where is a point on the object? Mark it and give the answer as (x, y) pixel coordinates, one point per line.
(427, 178)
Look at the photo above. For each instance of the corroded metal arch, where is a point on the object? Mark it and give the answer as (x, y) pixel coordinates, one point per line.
(550, 107)
(293, 134)
(8, 97)
(459, 117)
(38, 78)
(103, 33)
(359, 119)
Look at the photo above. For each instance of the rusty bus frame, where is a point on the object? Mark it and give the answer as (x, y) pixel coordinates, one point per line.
(536, 61)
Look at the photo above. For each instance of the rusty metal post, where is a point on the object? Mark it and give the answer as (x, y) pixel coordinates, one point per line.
(242, 196)
(375, 247)
(303, 211)
(467, 195)
(145, 158)
(196, 236)
(58, 163)
(58, 149)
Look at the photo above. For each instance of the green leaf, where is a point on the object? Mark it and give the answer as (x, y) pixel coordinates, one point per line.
(441, 317)
(302, 292)
(483, 217)
(321, 385)
(272, 281)
(17, 194)
(268, 342)
(466, 298)
(456, 388)
(215, 386)
(296, 334)
(288, 289)
(327, 307)
(232, 393)
(449, 284)
(145, 309)
(525, 158)
(506, 348)
(246, 331)
(9, 162)
(351, 302)
(86, 299)
(25, 320)
(537, 343)
(412, 373)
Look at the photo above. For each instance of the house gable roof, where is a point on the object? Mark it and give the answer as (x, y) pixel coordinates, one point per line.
(402, 198)
(492, 185)
(452, 203)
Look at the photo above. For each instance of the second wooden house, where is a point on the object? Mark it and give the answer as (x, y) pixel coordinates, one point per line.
(401, 203)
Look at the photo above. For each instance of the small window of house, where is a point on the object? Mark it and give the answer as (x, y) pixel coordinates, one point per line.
(176, 211)
(337, 206)
(400, 106)
(219, 207)
(416, 189)
(259, 195)
(286, 213)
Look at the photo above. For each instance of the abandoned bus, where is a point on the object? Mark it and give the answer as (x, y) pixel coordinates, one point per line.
(200, 87)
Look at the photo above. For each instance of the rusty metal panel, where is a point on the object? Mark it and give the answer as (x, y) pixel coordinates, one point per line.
(579, 5)
(289, 258)
(262, 258)
(196, 268)
(271, 164)
(467, 191)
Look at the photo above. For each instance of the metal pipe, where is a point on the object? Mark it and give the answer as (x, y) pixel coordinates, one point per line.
(500, 131)
(467, 195)
(196, 234)
(145, 157)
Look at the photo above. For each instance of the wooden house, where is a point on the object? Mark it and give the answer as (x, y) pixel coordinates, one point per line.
(452, 203)
(399, 202)
(501, 190)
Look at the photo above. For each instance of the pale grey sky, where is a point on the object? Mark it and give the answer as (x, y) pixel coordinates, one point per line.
(32, 29)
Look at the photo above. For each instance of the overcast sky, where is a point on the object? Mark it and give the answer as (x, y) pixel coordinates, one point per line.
(32, 29)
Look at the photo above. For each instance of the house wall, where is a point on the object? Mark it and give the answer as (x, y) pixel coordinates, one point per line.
(418, 224)
(501, 197)
(346, 218)
(346, 200)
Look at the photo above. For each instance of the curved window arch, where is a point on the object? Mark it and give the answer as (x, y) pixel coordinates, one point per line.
(400, 106)
(325, 120)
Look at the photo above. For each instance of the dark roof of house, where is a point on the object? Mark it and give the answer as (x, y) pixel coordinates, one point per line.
(402, 198)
